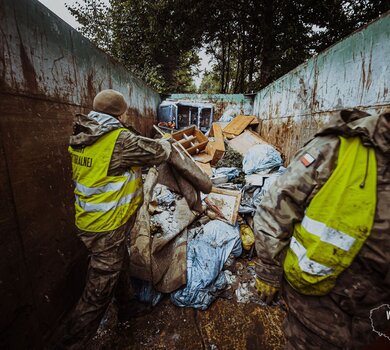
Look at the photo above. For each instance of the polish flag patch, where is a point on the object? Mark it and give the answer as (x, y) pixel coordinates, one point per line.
(307, 159)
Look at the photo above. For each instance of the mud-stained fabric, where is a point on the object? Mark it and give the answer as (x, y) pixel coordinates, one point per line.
(339, 319)
(160, 258)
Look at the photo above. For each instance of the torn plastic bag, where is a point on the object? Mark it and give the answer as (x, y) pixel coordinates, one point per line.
(260, 158)
(165, 197)
(224, 175)
(230, 172)
(251, 195)
(206, 255)
(229, 114)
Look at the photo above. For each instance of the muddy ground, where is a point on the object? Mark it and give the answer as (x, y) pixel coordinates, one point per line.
(226, 324)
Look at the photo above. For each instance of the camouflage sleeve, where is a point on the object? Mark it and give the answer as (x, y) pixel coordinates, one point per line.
(285, 203)
(132, 150)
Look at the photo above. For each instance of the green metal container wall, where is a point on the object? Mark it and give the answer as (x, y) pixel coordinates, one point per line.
(354, 73)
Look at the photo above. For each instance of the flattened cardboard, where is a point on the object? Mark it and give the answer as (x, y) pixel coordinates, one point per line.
(246, 140)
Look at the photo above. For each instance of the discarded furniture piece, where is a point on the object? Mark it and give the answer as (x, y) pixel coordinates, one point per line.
(216, 148)
(225, 203)
(246, 140)
(182, 114)
(191, 139)
(238, 125)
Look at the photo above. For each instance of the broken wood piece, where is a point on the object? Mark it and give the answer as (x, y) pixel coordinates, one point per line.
(228, 136)
(238, 124)
(227, 201)
(216, 148)
(246, 140)
(173, 145)
(194, 145)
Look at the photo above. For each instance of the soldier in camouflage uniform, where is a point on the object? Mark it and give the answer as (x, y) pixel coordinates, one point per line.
(107, 249)
(339, 319)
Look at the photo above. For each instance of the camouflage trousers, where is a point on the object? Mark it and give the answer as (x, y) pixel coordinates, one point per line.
(108, 265)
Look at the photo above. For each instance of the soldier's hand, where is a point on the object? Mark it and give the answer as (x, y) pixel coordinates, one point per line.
(266, 292)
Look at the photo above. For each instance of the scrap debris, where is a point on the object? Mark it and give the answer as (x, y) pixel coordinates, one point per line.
(202, 207)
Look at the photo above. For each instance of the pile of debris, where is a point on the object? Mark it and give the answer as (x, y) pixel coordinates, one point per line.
(193, 236)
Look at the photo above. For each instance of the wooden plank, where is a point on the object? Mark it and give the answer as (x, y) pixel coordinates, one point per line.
(246, 140)
(217, 146)
(197, 148)
(179, 135)
(238, 124)
(255, 121)
(186, 143)
(227, 201)
(206, 167)
(228, 136)
(200, 136)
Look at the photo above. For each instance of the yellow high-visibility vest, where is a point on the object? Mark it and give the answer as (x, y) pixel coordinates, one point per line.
(103, 202)
(336, 224)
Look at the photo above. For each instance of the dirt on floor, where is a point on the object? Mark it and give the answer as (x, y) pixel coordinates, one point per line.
(226, 324)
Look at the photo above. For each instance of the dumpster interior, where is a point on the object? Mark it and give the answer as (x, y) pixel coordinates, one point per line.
(201, 291)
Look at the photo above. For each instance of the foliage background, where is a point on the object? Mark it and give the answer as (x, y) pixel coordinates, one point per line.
(251, 42)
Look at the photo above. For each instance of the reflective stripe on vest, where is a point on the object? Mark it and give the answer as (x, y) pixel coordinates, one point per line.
(336, 223)
(103, 202)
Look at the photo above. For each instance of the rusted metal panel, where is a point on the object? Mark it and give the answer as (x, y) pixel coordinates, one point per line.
(352, 73)
(18, 309)
(243, 104)
(44, 57)
(48, 72)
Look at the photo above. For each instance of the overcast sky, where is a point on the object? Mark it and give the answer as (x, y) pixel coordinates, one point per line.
(58, 7)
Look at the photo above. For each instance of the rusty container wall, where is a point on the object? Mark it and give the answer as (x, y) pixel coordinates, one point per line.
(241, 103)
(355, 72)
(48, 72)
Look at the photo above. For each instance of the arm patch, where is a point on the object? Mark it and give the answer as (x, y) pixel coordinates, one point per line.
(307, 159)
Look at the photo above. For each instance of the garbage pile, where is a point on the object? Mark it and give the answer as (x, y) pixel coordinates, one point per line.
(193, 238)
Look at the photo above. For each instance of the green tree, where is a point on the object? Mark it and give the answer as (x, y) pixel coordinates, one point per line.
(252, 42)
(156, 39)
(256, 41)
(209, 83)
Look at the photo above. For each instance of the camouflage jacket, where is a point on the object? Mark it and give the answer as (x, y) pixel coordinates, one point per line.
(130, 149)
(286, 201)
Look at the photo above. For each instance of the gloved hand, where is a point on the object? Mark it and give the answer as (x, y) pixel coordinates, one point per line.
(266, 292)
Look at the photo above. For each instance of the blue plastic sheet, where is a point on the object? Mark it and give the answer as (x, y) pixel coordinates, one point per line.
(206, 255)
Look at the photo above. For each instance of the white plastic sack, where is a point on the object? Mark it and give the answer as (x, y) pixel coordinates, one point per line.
(229, 114)
(206, 255)
(260, 158)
